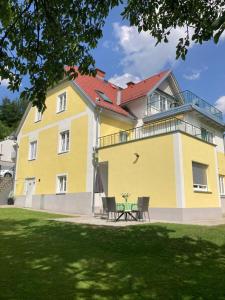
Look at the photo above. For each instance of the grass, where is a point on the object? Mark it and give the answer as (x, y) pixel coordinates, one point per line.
(42, 259)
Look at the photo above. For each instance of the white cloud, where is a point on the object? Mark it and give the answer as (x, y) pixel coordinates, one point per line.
(4, 82)
(193, 76)
(140, 55)
(222, 36)
(220, 104)
(123, 79)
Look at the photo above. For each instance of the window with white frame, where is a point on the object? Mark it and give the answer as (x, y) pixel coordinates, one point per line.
(64, 141)
(38, 116)
(221, 181)
(61, 102)
(159, 102)
(199, 172)
(33, 150)
(61, 184)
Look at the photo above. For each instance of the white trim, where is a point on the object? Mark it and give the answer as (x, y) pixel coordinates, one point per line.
(57, 185)
(16, 165)
(158, 83)
(217, 176)
(221, 178)
(60, 151)
(38, 116)
(62, 93)
(30, 152)
(54, 124)
(179, 171)
(90, 149)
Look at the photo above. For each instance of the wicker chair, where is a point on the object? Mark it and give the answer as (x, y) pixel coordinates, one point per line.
(142, 207)
(109, 207)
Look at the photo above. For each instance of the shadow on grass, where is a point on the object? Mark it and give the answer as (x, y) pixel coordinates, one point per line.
(50, 260)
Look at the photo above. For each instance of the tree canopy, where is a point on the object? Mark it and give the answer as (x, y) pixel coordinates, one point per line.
(38, 38)
(11, 112)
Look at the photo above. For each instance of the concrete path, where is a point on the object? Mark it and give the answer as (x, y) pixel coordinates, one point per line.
(97, 221)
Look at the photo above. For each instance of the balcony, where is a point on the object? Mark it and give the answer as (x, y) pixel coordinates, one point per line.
(154, 129)
(160, 102)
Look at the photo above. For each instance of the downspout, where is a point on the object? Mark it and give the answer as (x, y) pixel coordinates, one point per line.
(16, 148)
(95, 154)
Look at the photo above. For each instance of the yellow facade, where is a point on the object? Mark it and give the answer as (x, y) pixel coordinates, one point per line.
(48, 162)
(146, 167)
(221, 163)
(153, 174)
(109, 125)
(194, 150)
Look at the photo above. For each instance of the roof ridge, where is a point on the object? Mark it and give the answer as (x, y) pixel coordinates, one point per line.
(166, 71)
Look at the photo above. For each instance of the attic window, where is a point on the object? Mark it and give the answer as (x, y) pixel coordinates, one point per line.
(103, 96)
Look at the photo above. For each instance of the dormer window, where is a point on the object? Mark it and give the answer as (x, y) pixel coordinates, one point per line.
(61, 102)
(104, 97)
(159, 102)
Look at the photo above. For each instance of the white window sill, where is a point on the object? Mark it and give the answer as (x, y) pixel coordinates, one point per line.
(60, 111)
(37, 121)
(63, 152)
(31, 159)
(202, 191)
(60, 193)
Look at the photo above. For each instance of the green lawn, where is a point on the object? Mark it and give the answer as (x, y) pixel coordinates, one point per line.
(42, 259)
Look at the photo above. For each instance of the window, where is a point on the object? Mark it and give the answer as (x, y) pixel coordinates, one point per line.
(61, 103)
(64, 141)
(123, 136)
(33, 150)
(38, 116)
(61, 184)
(199, 176)
(221, 181)
(158, 102)
(103, 96)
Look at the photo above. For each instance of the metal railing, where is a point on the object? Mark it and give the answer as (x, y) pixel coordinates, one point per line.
(153, 129)
(188, 98)
(191, 98)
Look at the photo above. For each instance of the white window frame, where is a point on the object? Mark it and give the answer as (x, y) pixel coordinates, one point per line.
(200, 187)
(31, 156)
(65, 184)
(66, 143)
(60, 108)
(222, 186)
(38, 116)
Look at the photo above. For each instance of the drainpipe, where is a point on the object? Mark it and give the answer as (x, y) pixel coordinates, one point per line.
(95, 154)
(16, 148)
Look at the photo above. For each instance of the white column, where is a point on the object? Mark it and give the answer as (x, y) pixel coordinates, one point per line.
(179, 171)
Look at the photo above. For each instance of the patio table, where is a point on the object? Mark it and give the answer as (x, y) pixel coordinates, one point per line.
(126, 208)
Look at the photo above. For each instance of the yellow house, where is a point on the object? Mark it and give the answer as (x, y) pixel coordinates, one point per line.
(148, 139)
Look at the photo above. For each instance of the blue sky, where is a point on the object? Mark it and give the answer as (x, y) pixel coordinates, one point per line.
(126, 55)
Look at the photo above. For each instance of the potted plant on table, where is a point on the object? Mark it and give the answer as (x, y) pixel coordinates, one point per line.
(125, 196)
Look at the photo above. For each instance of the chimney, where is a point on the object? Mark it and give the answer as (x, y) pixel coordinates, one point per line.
(130, 84)
(100, 74)
(118, 97)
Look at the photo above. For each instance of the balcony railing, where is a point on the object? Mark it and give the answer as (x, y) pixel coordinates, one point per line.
(188, 98)
(153, 129)
(191, 98)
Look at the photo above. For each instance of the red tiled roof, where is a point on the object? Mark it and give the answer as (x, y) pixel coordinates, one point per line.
(90, 85)
(141, 88)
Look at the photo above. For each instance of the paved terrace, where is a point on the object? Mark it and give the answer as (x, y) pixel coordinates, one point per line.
(99, 221)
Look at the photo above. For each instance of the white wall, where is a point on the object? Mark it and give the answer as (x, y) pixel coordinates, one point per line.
(6, 149)
(139, 109)
(166, 87)
(193, 119)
